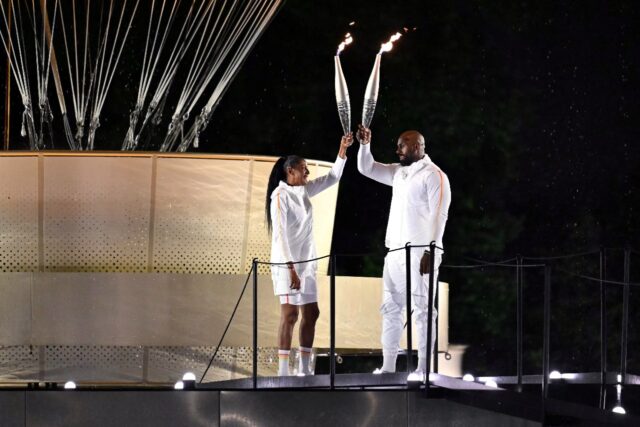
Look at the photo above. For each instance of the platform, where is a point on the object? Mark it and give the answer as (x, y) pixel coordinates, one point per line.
(359, 399)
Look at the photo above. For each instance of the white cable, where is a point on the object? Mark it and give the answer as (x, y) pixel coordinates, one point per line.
(149, 67)
(249, 41)
(11, 55)
(104, 84)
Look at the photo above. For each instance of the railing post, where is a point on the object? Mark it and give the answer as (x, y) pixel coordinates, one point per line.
(332, 299)
(603, 329)
(546, 331)
(430, 349)
(407, 249)
(255, 323)
(519, 316)
(436, 341)
(625, 316)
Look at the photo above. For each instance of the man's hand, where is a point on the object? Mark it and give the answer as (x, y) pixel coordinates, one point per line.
(425, 263)
(295, 280)
(363, 135)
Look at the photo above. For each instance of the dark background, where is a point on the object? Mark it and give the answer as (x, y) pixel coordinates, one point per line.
(529, 107)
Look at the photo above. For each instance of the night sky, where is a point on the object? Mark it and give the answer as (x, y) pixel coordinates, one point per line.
(530, 107)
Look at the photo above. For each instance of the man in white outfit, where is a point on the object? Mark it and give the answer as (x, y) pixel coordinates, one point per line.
(418, 214)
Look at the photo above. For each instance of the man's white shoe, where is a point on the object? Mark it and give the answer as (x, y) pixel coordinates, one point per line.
(379, 371)
(416, 376)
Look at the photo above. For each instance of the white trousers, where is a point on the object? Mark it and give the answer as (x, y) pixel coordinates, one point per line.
(394, 300)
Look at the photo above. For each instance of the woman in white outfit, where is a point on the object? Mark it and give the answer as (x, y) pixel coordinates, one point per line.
(290, 221)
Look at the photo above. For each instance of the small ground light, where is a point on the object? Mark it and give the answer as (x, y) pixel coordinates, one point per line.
(468, 377)
(619, 410)
(189, 381)
(179, 385)
(69, 385)
(491, 383)
(555, 375)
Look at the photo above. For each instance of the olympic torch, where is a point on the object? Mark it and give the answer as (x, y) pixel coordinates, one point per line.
(371, 93)
(342, 92)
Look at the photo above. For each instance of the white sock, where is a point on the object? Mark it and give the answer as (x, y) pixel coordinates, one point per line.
(283, 363)
(305, 355)
(422, 363)
(389, 360)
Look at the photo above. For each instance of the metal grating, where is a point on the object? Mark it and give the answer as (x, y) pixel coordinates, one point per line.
(124, 358)
(19, 219)
(18, 360)
(169, 363)
(136, 364)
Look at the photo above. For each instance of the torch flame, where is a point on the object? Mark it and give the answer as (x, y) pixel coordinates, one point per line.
(347, 41)
(386, 47)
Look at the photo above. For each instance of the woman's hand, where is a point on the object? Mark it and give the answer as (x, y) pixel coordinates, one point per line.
(295, 280)
(345, 143)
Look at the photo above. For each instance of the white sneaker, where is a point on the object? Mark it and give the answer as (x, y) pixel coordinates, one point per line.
(379, 371)
(416, 376)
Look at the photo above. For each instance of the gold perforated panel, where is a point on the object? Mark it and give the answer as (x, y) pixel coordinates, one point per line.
(19, 214)
(199, 215)
(144, 213)
(258, 239)
(96, 214)
(322, 222)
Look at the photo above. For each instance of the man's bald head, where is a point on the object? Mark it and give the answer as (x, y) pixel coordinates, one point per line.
(410, 147)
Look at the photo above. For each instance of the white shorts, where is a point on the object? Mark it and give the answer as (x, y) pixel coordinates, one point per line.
(298, 299)
(307, 294)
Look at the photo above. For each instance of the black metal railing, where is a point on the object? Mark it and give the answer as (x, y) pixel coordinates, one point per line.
(521, 263)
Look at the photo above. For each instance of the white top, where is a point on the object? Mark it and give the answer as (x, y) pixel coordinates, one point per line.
(420, 201)
(292, 220)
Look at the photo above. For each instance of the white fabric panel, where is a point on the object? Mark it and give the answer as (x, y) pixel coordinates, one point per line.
(128, 309)
(132, 309)
(15, 308)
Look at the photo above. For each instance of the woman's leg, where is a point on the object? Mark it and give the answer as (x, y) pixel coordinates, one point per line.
(288, 319)
(310, 314)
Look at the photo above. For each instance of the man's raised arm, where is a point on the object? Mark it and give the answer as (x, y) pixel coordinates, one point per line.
(367, 166)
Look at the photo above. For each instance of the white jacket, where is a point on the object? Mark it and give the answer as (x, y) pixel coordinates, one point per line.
(420, 201)
(292, 235)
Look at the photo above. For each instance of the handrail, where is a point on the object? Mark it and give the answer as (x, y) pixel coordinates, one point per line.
(478, 263)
